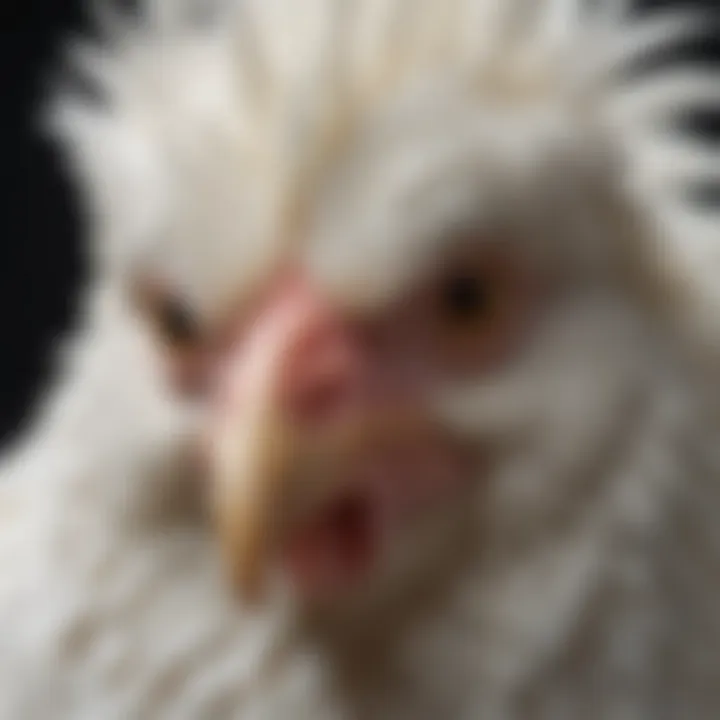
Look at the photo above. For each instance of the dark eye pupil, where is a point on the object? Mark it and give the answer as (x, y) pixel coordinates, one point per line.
(465, 298)
(178, 323)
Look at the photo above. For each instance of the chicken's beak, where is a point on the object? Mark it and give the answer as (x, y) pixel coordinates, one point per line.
(258, 440)
(251, 455)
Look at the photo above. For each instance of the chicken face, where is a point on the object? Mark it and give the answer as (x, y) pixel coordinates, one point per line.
(322, 415)
(323, 419)
(404, 303)
(329, 447)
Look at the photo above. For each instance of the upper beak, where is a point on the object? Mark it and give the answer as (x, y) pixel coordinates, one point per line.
(271, 461)
(257, 445)
(250, 460)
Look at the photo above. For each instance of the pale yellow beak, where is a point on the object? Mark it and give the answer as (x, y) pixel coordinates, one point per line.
(268, 476)
(269, 469)
(257, 456)
(251, 457)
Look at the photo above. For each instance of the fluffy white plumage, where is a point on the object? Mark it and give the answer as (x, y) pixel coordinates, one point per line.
(580, 579)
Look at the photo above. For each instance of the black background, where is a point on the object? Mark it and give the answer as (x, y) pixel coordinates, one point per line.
(41, 263)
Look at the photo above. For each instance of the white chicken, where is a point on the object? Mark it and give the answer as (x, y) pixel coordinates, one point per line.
(395, 392)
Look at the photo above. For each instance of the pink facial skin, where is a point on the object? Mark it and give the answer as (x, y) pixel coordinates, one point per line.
(333, 370)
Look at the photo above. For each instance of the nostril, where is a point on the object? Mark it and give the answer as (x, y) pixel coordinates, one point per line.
(322, 399)
(324, 389)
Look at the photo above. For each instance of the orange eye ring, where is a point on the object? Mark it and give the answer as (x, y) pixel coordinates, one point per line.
(176, 330)
(171, 318)
(176, 323)
(464, 297)
(480, 307)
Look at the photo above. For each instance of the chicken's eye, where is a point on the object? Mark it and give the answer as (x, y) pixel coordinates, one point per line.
(465, 298)
(176, 328)
(475, 309)
(177, 323)
(172, 319)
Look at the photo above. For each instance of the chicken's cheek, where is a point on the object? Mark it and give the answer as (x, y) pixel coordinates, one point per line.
(388, 491)
(188, 372)
(336, 550)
